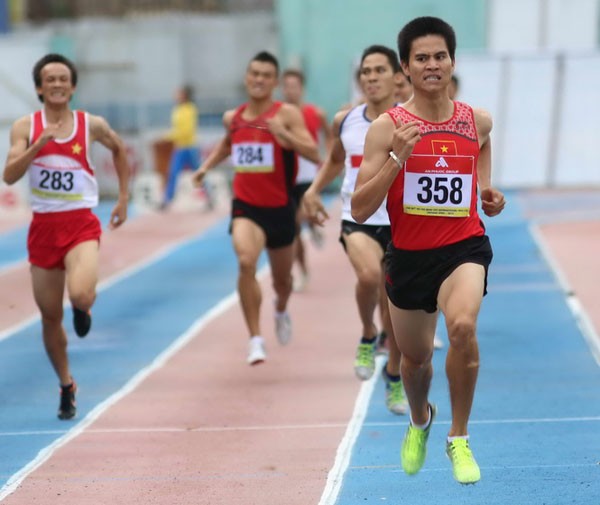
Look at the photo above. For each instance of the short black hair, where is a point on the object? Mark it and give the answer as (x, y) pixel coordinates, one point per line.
(293, 72)
(421, 27)
(266, 57)
(188, 92)
(386, 51)
(52, 58)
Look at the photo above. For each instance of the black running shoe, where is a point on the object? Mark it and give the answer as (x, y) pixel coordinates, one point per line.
(68, 407)
(82, 321)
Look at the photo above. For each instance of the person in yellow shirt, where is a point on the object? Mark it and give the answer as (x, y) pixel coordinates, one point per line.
(183, 134)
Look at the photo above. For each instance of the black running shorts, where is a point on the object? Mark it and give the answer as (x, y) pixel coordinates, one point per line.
(413, 278)
(278, 223)
(382, 234)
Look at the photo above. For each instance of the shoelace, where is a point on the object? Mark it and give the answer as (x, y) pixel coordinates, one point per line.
(364, 352)
(460, 450)
(396, 392)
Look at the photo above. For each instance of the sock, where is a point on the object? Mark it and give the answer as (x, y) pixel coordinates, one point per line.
(423, 426)
(450, 439)
(365, 340)
(392, 378)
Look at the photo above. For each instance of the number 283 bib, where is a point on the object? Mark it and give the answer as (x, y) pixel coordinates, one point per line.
(437, 185)
(253, 157)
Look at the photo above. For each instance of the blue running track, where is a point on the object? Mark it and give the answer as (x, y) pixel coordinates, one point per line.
(535, 424)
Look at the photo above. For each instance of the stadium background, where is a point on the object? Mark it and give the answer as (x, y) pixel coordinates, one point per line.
(533, 63)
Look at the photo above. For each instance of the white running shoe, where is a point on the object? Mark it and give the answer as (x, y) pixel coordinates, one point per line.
(438, 343)
(256, 351)
(283, 328)
(300, 282)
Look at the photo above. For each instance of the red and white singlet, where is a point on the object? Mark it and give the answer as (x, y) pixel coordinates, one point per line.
(307, 170)
(264, 171)
(353, 131)
(433, 200)
(61, 176)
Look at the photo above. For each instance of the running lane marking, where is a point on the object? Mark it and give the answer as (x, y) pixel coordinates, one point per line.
(292, 427)
(17, 478)
(335, 477)
(111, 280)
(579, 313)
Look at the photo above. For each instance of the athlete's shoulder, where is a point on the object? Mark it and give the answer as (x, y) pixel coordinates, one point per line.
(22, 122)
(339, 118)
(395, 113)
(98, 125)
(483, 120)
(228, 115)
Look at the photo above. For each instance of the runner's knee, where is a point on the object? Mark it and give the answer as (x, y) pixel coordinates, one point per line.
(461, 333)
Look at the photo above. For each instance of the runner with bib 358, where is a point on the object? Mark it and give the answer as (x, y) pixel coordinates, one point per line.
(428, 157)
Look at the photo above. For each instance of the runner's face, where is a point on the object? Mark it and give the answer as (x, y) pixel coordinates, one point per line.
(261, 79)
(56, 87)
(292, 89)
(429, 65)
(377, 78)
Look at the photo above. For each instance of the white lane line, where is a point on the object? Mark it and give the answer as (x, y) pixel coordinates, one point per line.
(579, 313)
(109, 281)
(397, 469)
(344, 451)
(534, 420)
(15, 480)
(291, 427)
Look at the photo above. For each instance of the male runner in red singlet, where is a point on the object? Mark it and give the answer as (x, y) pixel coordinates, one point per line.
(53, 146)
(365, 243)
(262, 137)
(292, 86)
(428, 157)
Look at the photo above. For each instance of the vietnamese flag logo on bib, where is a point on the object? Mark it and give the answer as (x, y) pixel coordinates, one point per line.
(442, 147)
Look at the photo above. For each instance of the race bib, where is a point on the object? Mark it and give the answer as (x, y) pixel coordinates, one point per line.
(253, 157)
(437, 185)
(57, 178)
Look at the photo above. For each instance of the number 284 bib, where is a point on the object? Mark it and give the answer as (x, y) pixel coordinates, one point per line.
(253, 157)
(437, 185)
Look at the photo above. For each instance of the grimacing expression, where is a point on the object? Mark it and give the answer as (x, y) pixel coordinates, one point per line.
(429, 66)
(261, 79)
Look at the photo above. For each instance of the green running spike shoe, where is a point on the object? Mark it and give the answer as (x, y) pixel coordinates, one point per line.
(364, 364)
(465, 468)
(414, 445)
(395, 399)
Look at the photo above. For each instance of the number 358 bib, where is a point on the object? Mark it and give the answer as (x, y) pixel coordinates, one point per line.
(437, 185)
